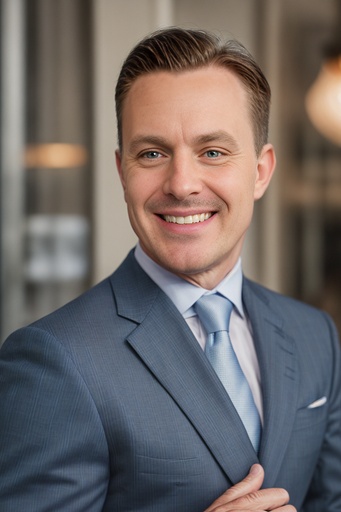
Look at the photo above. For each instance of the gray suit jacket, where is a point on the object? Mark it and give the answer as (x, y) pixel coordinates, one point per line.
(109, 404)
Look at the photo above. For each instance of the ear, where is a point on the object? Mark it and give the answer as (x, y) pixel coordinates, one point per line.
(265, 169)
(119, 168)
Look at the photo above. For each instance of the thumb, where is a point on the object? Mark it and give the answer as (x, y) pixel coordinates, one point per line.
(251, 483)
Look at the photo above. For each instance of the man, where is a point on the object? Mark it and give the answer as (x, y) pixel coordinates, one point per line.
(111, 403)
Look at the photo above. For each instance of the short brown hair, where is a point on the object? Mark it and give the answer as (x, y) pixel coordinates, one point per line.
(176, 50)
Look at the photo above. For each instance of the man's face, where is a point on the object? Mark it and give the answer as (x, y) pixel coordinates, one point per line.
(189, 170)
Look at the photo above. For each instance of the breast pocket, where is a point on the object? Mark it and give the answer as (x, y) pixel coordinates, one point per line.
(307, 435)
(310, 418)
(169, 467)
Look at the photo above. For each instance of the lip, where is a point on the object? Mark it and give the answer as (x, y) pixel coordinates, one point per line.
(183, 213)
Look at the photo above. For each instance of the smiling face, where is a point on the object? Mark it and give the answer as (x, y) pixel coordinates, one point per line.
(189, 170)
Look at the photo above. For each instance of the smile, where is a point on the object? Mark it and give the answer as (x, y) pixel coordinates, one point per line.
(189, 219)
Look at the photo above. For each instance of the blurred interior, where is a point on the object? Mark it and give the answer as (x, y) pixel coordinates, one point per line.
(63, 221)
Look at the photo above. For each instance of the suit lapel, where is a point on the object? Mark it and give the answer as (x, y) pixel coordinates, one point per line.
(168, 348)
(165, 343)
(279, 379)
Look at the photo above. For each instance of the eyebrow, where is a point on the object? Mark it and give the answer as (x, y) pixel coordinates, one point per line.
(218, 136)
(150, 140)
(206, 138)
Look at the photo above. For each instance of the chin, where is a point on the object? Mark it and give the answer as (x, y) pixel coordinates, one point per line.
(185, 267)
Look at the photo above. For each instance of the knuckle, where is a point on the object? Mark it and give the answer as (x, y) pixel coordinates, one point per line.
(284, 495)
(263, 497)
(232, 493)
(283, 501)
(246, 501)
(252, 497)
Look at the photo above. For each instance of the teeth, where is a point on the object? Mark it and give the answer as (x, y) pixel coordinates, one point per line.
(190, 219)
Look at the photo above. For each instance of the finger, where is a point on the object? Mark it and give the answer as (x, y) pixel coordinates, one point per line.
(265, 499)
(286, 508)
(229, 507)
(251, 483)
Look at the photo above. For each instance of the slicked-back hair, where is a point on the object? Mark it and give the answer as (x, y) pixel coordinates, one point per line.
(176, 50)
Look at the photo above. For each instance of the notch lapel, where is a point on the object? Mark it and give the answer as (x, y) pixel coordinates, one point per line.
(165, 343)
(168, 348)
(276, 353)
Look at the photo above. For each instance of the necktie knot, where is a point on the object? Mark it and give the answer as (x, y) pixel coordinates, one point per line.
(214, 312)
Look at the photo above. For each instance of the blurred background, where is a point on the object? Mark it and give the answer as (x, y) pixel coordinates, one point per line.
(63, 221)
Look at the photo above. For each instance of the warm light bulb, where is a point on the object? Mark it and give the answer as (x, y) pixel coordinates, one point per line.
(55, 155)
(323, 101)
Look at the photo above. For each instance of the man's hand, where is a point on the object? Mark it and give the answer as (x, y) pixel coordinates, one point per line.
(247, 496)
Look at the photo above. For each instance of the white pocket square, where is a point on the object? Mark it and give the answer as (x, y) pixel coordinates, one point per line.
(318, 403)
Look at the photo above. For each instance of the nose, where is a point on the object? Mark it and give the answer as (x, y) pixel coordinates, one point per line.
(182, 178)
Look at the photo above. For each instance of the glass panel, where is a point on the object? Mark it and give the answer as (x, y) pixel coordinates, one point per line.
(312, 176)
(55, 232)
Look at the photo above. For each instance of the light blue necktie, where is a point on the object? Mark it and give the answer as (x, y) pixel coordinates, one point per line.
(214, 312)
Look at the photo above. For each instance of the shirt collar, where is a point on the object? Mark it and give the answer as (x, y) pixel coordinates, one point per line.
(184, 294)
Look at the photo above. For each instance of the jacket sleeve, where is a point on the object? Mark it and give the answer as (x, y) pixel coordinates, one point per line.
(325, 490)
(53, 450)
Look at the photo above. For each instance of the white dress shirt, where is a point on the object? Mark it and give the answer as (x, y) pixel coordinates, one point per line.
(185, 294)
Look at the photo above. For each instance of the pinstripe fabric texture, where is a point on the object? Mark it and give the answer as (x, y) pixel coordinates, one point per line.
(109, 404)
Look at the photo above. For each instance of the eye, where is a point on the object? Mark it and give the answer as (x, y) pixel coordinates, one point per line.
(151, 155)
(213, 153)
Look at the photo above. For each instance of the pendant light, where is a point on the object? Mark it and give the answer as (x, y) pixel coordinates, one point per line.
(323, 100)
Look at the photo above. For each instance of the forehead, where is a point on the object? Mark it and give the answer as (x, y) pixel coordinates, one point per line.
(212, 96)
(216, 75)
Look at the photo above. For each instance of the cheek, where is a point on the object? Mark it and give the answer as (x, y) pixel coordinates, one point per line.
(131, 196)
(134, 187)
(236, 192)
(240, 205)
(139, 189)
